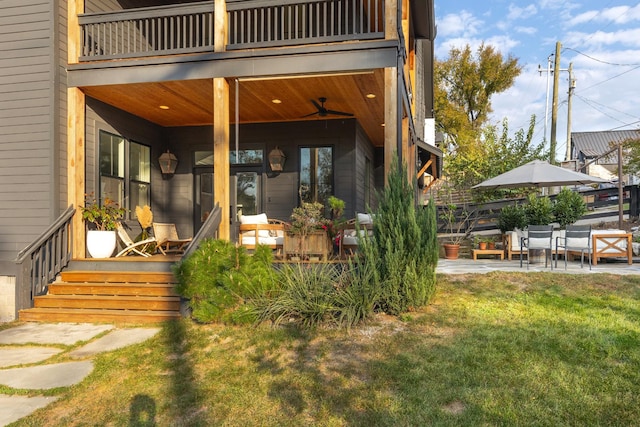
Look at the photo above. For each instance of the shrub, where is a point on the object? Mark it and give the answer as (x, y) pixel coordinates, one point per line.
(512, 217)
(568, 207)
(223, 283)
(539, 210)
(402, 254)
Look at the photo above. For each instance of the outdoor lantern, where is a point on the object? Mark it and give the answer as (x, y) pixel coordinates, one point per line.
(168, 162)
(277, 159)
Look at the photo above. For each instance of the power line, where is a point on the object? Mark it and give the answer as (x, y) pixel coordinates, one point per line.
(598, 109)
(625, 125)
(591, 101)
(611, 78)
(600, 60)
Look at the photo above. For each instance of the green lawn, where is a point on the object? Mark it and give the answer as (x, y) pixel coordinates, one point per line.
(499, 349)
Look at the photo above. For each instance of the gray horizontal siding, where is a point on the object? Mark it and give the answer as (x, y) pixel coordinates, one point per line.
(25, 123)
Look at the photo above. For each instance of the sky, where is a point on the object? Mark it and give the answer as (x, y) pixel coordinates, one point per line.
(600, 38)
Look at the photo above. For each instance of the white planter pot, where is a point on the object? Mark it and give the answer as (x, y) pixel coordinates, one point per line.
(101, 244)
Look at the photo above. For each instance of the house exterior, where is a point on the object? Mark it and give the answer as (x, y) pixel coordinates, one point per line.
(94, 92)
(598, 151)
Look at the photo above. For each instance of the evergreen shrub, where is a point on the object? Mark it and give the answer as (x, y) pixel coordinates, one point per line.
(568, 207)
(402, 254)
(512, 217)
(223, 283)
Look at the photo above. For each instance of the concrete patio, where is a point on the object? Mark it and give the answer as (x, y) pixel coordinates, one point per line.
(467, 265)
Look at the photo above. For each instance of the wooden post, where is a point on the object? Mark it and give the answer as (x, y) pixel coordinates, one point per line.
(390, 118)
(75, 134)
(220, 26)
(221, 187)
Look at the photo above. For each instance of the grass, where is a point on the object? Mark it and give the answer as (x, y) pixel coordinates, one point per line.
(532, 349)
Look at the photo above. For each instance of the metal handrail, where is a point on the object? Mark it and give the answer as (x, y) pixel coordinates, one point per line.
(209, 229)
(40, 263)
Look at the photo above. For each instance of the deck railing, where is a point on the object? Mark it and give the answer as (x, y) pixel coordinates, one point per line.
(149, 31)
(259, 23)
(40, 263)
(208, 230)
(252, 24)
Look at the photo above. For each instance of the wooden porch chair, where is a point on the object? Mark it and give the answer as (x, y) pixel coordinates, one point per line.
(167, 239)
(261, 230)
(141, 248)
(348, 242)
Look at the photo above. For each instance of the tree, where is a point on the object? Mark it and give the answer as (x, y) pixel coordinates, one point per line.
(496, 153)
(464, 84)
(631, 156)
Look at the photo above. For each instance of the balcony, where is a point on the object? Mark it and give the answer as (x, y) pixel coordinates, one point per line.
(253, 24)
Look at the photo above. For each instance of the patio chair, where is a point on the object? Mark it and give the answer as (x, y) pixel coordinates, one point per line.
(167, 238)
(577, 238)
(539, 237)
(141, 248)
(348, 240)
(261, 230)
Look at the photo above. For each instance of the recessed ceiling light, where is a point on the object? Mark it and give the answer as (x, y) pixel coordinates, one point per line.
(382, 125)
(371, 95)
(163, 107)
(276, 101)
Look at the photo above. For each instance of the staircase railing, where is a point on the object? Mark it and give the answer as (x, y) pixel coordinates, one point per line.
(40, 263)
(208, 230)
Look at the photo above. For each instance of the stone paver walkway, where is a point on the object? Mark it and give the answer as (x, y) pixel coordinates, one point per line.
(25, 350)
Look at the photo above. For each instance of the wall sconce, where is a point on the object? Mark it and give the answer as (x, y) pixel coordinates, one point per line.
(277, 159)
(168, 162)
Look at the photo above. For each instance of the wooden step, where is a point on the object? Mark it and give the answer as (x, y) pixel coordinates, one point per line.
(141, 289)
(108, 302)
(118, 276)
(96, 316)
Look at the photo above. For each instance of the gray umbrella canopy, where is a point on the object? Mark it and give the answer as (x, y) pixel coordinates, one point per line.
(538, 173)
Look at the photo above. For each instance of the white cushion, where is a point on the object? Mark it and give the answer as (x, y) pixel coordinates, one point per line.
(250, 240)
(255, 219)
(364, 218)
(602, 247)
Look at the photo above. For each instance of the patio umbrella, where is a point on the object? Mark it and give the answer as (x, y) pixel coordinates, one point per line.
(538, 173)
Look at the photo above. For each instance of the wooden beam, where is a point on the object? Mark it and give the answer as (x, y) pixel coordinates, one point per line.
(424, 168)
(76, 166)
(391, 19)
(220, 26)
(75, 133)
(390, 118)
(221, 154)
(74, 8)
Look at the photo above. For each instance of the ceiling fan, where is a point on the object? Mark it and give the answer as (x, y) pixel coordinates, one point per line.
(323, 112)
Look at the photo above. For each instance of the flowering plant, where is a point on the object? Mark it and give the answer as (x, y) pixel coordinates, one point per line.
(103, 217)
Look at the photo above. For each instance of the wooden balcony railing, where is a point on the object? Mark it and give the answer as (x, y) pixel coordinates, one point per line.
(259, 23)
(149, 31)
(252, 24)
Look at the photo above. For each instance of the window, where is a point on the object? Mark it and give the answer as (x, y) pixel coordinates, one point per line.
(125, 171)
(316, 174)
(245, 157)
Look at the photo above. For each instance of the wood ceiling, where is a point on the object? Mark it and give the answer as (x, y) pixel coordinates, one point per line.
(190, 102)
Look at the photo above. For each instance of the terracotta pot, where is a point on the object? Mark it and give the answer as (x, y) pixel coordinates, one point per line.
(491, 245)
(482, 245)
(451, 250)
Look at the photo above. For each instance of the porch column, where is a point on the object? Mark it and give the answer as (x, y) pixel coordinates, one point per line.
(75, 133)
(221, 187)
(392, 129)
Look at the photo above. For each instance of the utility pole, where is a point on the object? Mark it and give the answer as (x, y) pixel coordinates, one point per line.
(554, 106)
(572, 86)
(546, 102)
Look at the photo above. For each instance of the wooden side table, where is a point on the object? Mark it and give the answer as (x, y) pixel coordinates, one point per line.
(476, 252)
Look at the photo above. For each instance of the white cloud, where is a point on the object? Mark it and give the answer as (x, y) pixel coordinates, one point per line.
(460, 24)
(629, 37)
(619, 15)
(516, 12)
(526, 30)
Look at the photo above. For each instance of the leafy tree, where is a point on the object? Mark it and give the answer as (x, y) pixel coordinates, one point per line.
(496, 153)
(631, 156)
(464, 84)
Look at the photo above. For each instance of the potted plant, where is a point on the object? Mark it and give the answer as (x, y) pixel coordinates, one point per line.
(568, 207)
(456, 220)
(307, 233)
(102, 220)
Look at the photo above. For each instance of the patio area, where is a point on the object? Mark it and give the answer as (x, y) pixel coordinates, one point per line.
(482, 266)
